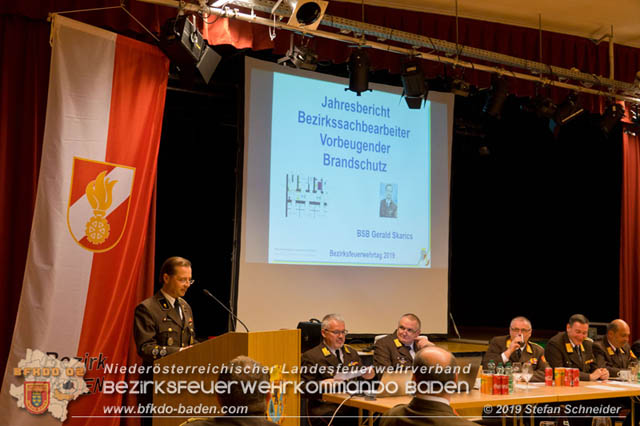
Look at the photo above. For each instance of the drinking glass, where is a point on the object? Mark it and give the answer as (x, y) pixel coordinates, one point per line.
(517, 372)
(633, 365)
(527, 373)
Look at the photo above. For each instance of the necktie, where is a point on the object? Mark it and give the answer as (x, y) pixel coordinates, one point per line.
(176, 306)
(412, 353)
(579, 353)
(339, 355)
(518, 354)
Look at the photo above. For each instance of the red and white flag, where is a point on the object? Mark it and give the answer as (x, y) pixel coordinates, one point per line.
(86, 250)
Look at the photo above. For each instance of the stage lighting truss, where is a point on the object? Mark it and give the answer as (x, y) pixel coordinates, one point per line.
(307, 15)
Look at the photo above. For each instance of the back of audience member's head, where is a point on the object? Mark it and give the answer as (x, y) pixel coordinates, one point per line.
(427, 361)
(243, 369)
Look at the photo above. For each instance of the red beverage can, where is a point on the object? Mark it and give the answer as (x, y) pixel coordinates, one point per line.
(576, 377)
(548, 376)
(505, 385)
(568, 377)
(497, 384)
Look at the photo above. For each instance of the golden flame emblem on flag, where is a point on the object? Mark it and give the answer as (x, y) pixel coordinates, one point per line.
(99, 194)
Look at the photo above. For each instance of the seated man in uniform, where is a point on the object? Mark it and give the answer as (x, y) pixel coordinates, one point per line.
(243, 372)
(319, 366)
(434, 369)
(399, 348)
(613, 351)
(516, 347)
(571, 349)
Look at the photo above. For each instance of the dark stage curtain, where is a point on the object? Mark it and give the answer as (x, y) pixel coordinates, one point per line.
(630, 231)
(24, 60)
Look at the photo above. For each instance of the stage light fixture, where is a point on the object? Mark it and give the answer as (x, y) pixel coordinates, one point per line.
(612, 115)
(544, 107)
(497, 96)
(634, 113)
(460, 88)
(184, 45)
(305, 14)
(415, 89)
(358, 71)
(300, 57)
(568, 110)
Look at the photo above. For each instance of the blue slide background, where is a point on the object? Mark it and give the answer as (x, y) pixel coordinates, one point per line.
(340, 223)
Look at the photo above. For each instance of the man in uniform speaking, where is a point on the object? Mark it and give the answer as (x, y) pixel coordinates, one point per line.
(163, 323)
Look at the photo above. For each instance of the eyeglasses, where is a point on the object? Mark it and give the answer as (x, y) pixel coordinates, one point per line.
(338, 332)
(518, 330)
(408, 330)
(185, 281)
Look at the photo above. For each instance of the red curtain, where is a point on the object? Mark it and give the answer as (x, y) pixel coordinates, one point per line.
(24, 61)
(630, 231)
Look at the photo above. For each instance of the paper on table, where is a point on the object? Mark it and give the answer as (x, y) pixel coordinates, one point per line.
(347, 376)
(605, 387)
(531, 385)
(626, 384)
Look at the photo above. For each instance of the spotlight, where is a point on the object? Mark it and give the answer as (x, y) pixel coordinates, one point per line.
(544, 107)
(358, 71)
(497, 96)
(185, 46)
(634, 113)
(181, 40)
(460, 88)
(300, 57)
(568, 110)
(414, 86)
(612, 115)
(306, 14)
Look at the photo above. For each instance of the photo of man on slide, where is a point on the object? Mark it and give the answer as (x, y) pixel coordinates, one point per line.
(388, 208)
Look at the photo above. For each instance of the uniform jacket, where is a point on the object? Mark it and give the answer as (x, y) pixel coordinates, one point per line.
(560, 353)
(532, 353)
(612, 360)
(389, 351)
(158, 329)
(388, 211)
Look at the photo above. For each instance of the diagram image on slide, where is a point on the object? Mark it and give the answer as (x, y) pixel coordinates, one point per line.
(306, 196)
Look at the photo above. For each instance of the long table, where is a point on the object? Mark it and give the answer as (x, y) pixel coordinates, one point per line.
(475, 403)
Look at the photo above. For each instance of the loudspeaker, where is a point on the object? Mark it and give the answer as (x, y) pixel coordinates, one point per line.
(181, 40)
(208, 63)
(311, 334)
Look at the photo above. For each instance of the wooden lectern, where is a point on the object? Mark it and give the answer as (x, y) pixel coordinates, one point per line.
(270, 348)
